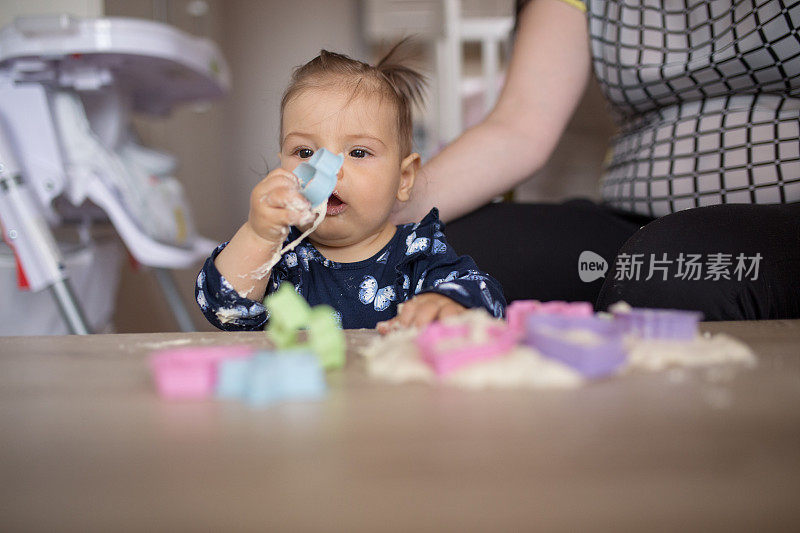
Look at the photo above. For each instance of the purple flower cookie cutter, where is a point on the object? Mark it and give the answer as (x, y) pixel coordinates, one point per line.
(444, 359)
(519, 310)
(664, 324)
(599, 354)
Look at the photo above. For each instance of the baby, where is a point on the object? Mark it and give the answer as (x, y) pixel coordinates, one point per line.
(356, 260)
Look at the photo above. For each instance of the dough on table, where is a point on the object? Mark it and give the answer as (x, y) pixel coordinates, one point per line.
(395, 358)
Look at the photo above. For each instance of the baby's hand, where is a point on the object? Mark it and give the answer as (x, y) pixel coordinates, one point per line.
(421, 311)
(275, 204)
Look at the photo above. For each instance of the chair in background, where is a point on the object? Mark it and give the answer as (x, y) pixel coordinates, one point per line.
(68, 88)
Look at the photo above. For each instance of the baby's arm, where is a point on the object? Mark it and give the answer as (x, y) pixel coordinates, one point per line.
(220, 303)
(275, 204)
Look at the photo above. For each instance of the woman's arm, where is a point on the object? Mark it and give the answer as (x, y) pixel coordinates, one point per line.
(546, 77)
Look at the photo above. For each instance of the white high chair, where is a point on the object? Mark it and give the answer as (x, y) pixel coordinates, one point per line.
(67, 88)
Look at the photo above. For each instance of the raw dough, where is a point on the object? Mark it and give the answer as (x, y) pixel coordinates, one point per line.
(396, 358)
(702, 351)
(227, 315)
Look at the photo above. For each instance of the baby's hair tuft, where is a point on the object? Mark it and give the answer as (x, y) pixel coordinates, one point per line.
(391, 77)
(408, 83)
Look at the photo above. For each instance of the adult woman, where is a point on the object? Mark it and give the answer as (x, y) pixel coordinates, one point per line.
(706, 96)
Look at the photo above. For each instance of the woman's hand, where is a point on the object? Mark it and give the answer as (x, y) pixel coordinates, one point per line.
(421, 311)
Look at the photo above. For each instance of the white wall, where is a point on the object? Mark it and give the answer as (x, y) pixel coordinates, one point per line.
(82, 8)
(264, 41)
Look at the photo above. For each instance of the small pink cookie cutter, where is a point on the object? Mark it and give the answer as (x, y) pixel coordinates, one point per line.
(518, 311)
(444, 361)
(191, 372)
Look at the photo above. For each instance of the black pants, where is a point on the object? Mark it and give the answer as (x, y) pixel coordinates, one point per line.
(732, 262)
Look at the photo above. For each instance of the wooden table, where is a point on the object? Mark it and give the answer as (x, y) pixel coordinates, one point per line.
(88, 446)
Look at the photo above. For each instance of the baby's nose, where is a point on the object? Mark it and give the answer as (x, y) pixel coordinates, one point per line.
(340, 174)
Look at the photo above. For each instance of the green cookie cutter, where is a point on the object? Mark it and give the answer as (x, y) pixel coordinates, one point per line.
(289, 313)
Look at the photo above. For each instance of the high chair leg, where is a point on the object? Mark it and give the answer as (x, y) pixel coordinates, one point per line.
(176, 305)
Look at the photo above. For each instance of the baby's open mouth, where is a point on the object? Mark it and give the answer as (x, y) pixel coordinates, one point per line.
(335, 204)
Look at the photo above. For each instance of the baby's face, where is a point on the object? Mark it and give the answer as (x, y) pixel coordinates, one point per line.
(364, 129)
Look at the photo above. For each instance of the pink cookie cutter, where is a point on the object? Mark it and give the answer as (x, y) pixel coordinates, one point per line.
(191, 372)
(444, 360)
(518, 311)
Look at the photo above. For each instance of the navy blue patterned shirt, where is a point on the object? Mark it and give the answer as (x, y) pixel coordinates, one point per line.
(417, 260)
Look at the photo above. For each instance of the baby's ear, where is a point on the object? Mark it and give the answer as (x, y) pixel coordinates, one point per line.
(409, 167)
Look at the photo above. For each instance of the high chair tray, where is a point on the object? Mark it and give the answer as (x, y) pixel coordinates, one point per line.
(159, 65)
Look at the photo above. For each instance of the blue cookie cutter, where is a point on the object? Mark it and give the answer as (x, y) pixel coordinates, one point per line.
(318, 175)
(289, 375)
(270, 377)
(232, 377)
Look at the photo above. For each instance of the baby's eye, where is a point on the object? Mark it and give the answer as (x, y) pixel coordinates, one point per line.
(358, 152)
(303, 153)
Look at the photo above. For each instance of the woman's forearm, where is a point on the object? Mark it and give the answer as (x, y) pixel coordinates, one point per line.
(485, 161)
(546, 77)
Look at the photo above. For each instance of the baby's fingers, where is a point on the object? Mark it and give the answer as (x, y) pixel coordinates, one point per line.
(277, 199)
(405, 314)
(275, 180)
(280, 189)
(425, 313)
(270, 223)
(268, 217)
(402, 320)
(421, 311)
(450, 309)
(387, 326)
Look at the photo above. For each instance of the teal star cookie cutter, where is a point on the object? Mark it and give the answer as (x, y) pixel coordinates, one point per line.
(318, 175)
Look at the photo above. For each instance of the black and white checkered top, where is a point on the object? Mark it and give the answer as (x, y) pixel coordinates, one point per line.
(707, 98)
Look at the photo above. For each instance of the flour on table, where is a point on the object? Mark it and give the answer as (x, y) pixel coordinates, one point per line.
(396, 358)
(702, 351)
(521, 367)
(165, 344)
